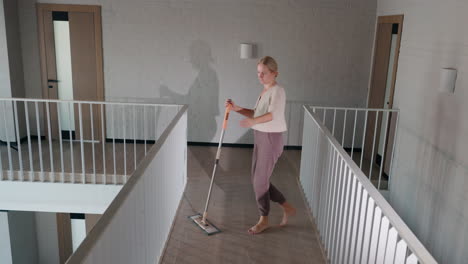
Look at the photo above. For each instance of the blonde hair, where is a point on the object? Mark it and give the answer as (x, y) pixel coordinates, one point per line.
(269, 62)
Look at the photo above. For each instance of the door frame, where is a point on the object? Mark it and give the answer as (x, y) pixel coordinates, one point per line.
(96, 10)
(389, 19)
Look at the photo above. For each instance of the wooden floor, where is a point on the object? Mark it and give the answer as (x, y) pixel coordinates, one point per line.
(233, 210)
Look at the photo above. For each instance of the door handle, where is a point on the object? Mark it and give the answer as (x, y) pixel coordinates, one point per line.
(54, 81)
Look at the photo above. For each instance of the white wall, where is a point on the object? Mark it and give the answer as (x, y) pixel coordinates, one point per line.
(23, 237)
(430, 186)
(188, 51)
(5, 85)
(5, 245)
(17, 238)
(11, 67)
(47, 238)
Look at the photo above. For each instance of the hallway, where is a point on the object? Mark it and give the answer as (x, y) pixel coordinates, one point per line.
(233, 210)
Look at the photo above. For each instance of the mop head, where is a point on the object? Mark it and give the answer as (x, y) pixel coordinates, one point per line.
(209, 228)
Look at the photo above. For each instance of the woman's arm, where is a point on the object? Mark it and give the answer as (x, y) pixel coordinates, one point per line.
(249, 122)
(246, 112)
(243, 111)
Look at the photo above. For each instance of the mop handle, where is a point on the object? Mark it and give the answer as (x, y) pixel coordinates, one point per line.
(226, 116)
(218, 154)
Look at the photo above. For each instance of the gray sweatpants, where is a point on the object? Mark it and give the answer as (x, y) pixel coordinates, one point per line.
(267, 149)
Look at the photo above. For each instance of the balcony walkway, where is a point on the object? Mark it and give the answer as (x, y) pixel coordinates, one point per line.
(233, 210)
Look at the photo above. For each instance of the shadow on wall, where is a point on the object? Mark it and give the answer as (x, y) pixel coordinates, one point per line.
(202, 97)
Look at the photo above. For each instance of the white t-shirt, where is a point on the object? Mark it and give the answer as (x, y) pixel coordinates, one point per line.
(272, 101)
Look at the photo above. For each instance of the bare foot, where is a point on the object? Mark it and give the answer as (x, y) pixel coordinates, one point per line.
(288, 211)
(261, 226)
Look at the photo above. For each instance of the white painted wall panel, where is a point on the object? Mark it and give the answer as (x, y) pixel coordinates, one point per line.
(431, 167)
(47, 238)
(188, 52)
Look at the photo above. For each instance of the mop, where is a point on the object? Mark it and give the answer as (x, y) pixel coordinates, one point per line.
(200, 220)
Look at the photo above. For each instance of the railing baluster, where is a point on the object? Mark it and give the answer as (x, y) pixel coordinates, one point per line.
(144, 126)
(400, 253)
(393, 148)
(113, 142)
(391, 246)
(356, 223)
(39, 140)
(103, 140)
(7, 139)
(51, 153)
(352, 213)
(375, 235)
(354, 133)
(83, 169)
(368, 230)
(18, 143)
(334, 121)
(362, 224)
(344, 128)
(382, 242)
(382, 160)
(346, 213)
(70, 134)
(330, 198)
(62, 175)
(325, 117)
(364, 131)
(371, 165)
(92, 141)
(124, 144)
(338, 211)
(28, 132)
(134, 139)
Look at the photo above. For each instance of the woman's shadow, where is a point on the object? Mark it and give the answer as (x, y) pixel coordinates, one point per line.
(202, 97)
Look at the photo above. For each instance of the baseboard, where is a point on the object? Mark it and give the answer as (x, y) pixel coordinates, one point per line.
(24, 140)
(130, 141)
(211, 144)
(235, 145)
(66, 134)
(354, 150)
(77, 216)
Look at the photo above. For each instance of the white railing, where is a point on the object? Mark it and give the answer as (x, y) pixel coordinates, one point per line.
(367, 134)
(135, 227)
(77, 141)
(355, 222)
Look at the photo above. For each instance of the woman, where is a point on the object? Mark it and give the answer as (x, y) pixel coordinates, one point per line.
(268, 122)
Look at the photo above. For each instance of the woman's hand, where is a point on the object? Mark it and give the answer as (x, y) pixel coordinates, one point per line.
(248, 122)
(234, 107)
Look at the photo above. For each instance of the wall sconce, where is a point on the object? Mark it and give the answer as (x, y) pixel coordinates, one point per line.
(246, 51)
(448, 78)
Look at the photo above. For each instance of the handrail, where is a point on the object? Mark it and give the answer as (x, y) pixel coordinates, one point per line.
(404, 232)
(356, 108)
(85, 102)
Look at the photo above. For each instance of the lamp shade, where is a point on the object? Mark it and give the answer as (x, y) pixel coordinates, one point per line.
(448, 78)
(246, 51)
